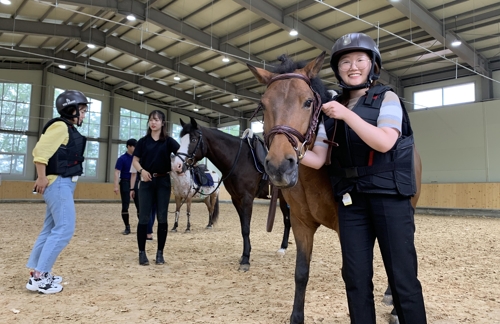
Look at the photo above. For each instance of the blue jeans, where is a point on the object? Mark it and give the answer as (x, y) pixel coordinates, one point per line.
(58, 227)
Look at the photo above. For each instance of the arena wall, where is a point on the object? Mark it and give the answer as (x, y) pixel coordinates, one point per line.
(441, 195)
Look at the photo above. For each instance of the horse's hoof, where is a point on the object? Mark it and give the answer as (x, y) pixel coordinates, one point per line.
(187, 231)
(387, 300)
(244, 267)
(173, 230)
(394, 319)
(281, 252)
(209, 227)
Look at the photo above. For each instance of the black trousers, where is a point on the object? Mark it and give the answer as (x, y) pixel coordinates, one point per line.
(125, 194)
(157, 190)
(390, 220)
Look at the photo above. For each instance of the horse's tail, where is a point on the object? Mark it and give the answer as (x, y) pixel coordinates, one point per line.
(215, 215)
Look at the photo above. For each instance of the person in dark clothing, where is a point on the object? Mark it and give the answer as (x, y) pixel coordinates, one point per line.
(152, 162)
(122, 181)
(373, 179)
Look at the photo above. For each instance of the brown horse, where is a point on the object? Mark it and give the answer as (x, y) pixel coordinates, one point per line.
(291, 105)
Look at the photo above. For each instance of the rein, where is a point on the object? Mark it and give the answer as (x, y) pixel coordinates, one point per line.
(291, 133)
(189, 162)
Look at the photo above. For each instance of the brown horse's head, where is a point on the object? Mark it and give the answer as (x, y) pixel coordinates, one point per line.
(290, 104)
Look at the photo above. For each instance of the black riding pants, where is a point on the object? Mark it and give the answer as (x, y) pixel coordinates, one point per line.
(157, 190)
(389, 219)
(125, 194)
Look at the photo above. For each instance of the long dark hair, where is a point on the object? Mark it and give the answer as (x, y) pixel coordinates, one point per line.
(161, 116)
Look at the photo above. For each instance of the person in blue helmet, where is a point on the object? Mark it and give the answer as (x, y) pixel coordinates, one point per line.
(58, 157)
(372, 176)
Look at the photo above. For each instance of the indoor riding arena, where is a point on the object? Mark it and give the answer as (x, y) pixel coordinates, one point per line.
(189, 59)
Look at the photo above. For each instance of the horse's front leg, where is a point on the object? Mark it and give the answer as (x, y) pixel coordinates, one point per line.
(244, 209)
(178, 202)
(304, 237)
(210, 207)
(188, 214)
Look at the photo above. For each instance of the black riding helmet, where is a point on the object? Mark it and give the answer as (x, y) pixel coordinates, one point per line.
(351, 43)
(69, 100)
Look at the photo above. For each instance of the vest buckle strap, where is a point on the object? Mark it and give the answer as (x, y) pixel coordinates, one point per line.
(158, 175)
(351, 172)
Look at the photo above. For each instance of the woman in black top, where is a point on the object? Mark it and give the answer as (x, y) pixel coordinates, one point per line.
(152, 160)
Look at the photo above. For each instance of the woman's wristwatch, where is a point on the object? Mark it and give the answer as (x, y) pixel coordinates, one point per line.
(140, 171)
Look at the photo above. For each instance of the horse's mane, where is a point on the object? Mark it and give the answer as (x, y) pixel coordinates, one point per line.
(288, 66)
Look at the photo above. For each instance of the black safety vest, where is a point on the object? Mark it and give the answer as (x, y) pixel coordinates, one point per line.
(67, 160)
(355, 165)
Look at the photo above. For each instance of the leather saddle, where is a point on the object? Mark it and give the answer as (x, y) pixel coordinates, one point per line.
(257, 147)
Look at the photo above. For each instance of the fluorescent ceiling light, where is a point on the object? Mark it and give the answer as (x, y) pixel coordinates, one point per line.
(235, 99)
(225, 59)
(140, 92)
(176, 77)
(5, 2)
(195, 109)
(131, 18)
(62, 66)
(456, 42)
(90, 45)
(293, 32)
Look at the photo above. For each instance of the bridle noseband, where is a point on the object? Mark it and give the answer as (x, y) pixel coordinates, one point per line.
(291, 133)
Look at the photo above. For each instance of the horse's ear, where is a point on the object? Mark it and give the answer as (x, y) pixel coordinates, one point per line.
(312, 68)
(182, 122)
(263, 76)
(193, 123)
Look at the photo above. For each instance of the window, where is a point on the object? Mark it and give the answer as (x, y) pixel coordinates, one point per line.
(91, 128)
(176, 132)
(257, 127)
(14, 117)
(132, 125)
(233, 130)
(451, 95)
(13, 149)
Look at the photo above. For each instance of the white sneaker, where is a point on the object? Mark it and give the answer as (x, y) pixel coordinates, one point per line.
(44, 284)
(55, 279)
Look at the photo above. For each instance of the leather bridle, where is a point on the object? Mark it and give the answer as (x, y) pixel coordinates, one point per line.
(293, 135)
(189, 160)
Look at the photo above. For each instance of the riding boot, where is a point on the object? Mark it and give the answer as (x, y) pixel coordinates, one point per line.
(143, 259)
(125, 218)
(159, 257)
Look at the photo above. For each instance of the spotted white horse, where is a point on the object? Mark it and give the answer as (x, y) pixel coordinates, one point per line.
(185, 190)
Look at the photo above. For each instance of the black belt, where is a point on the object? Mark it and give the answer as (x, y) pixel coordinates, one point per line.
(159, 175)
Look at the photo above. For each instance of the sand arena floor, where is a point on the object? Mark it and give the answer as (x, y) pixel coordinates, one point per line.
(103, 283)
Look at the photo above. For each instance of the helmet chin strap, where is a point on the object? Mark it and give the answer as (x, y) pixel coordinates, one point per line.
(357, 87)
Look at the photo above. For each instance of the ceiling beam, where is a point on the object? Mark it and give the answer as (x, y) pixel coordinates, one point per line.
(127, 77)
(99, 38)
(423, 18)
(283, 20)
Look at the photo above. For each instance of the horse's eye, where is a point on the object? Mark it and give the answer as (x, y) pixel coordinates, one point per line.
(193, 139)
(308, 103)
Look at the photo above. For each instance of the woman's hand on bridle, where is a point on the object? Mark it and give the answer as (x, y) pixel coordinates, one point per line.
(334, 109)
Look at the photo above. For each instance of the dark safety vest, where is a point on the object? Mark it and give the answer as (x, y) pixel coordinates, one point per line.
(357, 165)
(67, 160)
